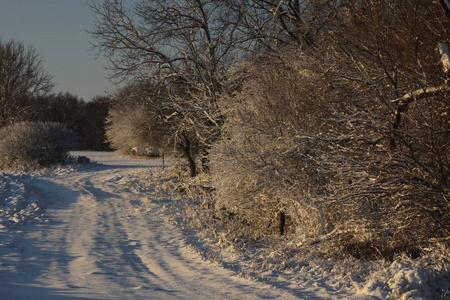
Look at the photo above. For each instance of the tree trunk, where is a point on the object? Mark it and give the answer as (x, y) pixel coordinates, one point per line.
(282, 221)
(186, 149)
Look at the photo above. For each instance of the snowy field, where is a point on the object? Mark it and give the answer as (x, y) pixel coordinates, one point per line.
(95, 232)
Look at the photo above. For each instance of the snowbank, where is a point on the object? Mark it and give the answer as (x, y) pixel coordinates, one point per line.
(17, 202)
(400, 280)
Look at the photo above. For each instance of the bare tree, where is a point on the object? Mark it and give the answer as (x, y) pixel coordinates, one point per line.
(273, 24)
(184, 46)
(21, 77)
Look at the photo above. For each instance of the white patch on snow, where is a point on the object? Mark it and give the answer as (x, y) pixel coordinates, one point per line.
(445, 57)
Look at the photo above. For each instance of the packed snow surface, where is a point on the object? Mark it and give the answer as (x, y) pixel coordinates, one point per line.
(87, 233)
(98, 231)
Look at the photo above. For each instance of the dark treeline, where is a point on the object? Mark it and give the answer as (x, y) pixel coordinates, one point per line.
(87, 118)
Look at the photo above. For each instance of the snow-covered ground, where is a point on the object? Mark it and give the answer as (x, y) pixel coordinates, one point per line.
(96, 231)
(89, 233)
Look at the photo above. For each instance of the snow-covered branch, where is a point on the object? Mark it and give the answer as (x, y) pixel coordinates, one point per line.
(421, 93)
(445, 57)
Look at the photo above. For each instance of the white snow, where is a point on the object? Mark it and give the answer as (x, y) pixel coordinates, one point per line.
(102, 239)
(445, 57)
(401, 280)
(97, 231)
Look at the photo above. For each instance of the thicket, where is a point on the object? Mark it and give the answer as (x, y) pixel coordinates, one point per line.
(334, 125)
(307, 159)
(351, 143)
(28, 145)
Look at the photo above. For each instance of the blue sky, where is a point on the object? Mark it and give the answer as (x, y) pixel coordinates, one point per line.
(56, 29)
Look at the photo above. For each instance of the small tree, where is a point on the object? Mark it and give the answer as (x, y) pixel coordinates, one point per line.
(21, 77)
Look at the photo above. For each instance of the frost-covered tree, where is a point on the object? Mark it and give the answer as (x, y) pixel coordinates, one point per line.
(135, 119)
(127, 127)
(185, 47)
(352, 144)
(263, 174)
(21, 77)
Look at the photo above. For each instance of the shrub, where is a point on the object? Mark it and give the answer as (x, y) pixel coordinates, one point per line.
(130, 126)
(265, 175)
(309, 150)
(30, 145)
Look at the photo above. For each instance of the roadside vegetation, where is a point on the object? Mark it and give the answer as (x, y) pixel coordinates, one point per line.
(29, 146)
(319, 120)
(312, 125)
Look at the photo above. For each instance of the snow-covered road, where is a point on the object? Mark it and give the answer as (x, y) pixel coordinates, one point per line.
(102, 240)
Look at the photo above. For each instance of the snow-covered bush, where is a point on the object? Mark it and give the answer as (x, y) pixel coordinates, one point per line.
(306, 150)
(135, 119)
(127, 127)
(264, 172)
(30, 145)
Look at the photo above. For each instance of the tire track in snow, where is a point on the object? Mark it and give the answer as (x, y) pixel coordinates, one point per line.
(114, 259)
(99, 245)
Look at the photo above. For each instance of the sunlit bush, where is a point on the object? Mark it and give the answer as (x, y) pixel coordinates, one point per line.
(30, 145)
(265, 174)
(127, 127)
(308, 152)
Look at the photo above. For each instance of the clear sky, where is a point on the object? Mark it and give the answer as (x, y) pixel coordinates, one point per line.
(56, 29)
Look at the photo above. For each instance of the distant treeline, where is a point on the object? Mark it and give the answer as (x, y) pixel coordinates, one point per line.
(87, 118)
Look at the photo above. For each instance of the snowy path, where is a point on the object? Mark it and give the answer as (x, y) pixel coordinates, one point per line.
(102, 241)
